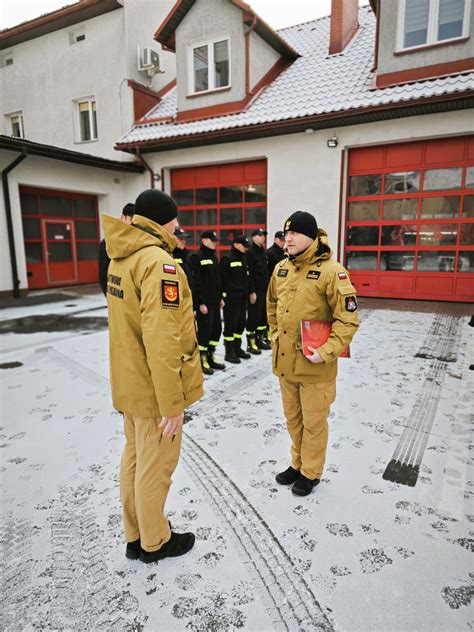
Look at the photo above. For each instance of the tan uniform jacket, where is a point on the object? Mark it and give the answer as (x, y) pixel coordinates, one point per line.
(154, 356)
(310, 287)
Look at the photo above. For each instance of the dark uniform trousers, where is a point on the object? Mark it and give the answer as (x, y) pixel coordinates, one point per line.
(234, 317)
(257, 314)
(209, 326)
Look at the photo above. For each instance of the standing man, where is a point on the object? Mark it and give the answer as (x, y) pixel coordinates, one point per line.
(258, 275)
(235, 290)
(275, 253)
(209, 298)
(181, 256)
(308, 285)
(154, 368)
(104, 260)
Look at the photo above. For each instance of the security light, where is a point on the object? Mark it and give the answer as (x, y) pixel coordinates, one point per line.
(333, 142)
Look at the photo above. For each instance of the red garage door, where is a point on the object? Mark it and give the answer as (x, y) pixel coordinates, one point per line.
(410, 220)
(229, 198)
(61, 235)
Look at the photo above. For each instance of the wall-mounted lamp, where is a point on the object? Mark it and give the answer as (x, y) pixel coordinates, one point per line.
(309, 130)
(156, 177)
(333, 142)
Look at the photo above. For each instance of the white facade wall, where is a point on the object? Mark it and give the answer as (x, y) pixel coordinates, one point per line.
(113, 189)
(262, 58)
(49, 73)
(302, 172)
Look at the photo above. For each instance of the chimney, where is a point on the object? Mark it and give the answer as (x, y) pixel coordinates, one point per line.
(344, 24)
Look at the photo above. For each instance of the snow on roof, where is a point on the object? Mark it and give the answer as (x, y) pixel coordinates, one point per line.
(315, 84)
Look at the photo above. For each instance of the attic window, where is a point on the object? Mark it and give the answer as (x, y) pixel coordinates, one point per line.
(209, 66)
(427, 22)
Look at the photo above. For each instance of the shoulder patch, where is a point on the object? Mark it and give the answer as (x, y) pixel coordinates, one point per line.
(342, 275)
(169, 268)
(313, 274)
(351, 303)
(282, 272)
(169, 294)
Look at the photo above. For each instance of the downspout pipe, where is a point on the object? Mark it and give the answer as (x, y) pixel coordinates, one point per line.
(147, 166)
(8, 211)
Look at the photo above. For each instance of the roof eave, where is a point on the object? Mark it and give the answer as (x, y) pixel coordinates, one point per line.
(443, 103)
(56, 20)
(31, 148)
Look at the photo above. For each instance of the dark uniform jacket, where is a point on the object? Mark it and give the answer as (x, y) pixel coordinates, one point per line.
(206, 276)
(181, 256)
(104, 261)
(234, 276)
(258, 270)
(274, 255)
(310, 286)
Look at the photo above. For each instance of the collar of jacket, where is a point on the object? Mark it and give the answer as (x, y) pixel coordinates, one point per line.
(209, 252)
(168, 241)
(257, 247)
(181, 252)
(237, 253)
(318, 250)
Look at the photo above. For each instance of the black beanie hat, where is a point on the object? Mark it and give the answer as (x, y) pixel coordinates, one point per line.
(302, 222)
(156, 205)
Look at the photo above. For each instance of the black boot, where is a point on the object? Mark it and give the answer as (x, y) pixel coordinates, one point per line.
(304, 486)
(288, 477)
(178, 544)
(265, 338)
(206, 369)
(239, 352)
(230, 355)
(260, 342)
(212, 362)
(252, 345)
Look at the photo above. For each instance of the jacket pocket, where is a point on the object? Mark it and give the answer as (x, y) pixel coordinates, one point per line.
(275, 346)
(303, 366)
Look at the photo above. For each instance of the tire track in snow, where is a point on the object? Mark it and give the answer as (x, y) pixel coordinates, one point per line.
(440, 346)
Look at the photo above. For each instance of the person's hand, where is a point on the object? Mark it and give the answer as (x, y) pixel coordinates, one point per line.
(253, 298)
(222, 303)
(171, 425)
(315, 358)
(203, 309)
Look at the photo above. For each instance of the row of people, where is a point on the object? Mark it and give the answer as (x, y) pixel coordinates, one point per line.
(237, 285)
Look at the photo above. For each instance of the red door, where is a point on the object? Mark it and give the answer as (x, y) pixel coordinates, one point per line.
(227, 198)
(58, 244)
(61, 235)
(409, 229)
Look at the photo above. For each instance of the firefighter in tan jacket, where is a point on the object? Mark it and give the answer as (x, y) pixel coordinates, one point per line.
(308, 285)
(154, 365)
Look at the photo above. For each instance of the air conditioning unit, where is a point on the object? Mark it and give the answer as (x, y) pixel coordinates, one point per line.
(148, 61)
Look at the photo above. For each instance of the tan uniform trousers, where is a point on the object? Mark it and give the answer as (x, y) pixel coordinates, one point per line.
(148, 462)
(306, 407)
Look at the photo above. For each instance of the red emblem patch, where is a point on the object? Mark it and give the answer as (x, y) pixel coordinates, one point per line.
(170, 294)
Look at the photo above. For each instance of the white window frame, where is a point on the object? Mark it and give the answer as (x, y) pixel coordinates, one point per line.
(210, 62)
(10, 118)
(432, 34)
(77, 102)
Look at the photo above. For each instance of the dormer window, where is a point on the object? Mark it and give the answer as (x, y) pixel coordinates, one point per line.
(428, 22)
(209, 66)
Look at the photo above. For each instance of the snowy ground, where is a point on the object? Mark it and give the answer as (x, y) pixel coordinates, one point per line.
(362, 553)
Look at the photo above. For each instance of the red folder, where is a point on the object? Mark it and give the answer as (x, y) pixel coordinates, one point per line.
(314, 333)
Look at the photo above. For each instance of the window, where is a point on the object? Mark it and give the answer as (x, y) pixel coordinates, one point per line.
(87, 120)
(16, 125)
(209, 66)
(425, 22)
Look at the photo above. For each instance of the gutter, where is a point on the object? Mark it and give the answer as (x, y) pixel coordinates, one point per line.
(8, 211)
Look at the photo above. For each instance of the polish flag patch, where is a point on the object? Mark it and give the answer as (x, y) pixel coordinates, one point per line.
(169, 269)
(342, 275)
